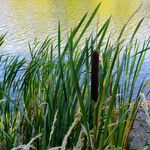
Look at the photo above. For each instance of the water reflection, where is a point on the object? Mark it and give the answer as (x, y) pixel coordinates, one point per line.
(26, 19)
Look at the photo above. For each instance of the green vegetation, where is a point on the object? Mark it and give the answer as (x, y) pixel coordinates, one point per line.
(45, 102)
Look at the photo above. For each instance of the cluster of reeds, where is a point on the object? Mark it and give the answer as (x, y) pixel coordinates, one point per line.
(45, 101)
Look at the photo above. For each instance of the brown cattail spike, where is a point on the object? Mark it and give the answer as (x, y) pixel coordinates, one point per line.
(94, 75)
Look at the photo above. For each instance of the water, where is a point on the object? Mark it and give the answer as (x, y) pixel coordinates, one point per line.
(26, 19)
(23, 20)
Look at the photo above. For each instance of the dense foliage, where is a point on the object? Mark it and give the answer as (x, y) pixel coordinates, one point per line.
(45, 101)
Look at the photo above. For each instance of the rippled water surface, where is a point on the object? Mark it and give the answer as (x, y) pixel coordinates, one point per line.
(26, 19)
(23, 20)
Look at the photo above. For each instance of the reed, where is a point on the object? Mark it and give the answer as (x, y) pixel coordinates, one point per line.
(50, 94)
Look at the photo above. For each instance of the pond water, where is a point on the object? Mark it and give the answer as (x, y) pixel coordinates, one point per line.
(23, 20)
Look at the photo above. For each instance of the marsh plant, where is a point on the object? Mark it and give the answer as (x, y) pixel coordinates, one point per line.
(45, 101)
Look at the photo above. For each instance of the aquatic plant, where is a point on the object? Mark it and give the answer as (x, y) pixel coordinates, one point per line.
(45, 102)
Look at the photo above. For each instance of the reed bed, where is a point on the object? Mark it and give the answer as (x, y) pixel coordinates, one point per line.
(45, 102)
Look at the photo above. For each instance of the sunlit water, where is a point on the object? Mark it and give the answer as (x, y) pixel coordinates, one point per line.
(23, 20)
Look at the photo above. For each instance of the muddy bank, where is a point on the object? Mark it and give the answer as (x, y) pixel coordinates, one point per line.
(140, 134)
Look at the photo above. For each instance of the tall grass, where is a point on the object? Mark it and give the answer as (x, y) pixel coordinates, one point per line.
(50, 94)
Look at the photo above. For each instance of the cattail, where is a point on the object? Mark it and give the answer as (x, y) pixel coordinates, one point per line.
(94, 75)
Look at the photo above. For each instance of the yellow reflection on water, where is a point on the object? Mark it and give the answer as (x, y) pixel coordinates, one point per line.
(70, 11)
(26, 19)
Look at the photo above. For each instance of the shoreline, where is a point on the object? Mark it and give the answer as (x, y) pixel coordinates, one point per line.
(140, 133)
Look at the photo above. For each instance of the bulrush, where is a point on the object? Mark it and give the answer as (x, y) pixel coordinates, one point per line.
(94, 75)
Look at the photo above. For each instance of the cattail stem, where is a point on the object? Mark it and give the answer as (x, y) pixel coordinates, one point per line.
(94, 75)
